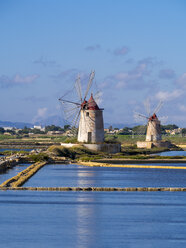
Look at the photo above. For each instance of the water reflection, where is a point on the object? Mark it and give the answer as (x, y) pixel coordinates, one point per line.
(86, 223)
(85, 178)
(92, 219)
(79, 176)
(86, 214)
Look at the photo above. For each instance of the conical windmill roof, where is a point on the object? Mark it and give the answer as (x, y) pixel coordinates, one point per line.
(153, 117)
(92, 105)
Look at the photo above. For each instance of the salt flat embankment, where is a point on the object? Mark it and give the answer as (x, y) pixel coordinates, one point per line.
(8, 162)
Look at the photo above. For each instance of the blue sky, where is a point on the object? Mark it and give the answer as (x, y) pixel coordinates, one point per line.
(137, 49)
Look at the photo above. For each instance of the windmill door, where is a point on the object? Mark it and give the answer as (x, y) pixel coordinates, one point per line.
(89, 137)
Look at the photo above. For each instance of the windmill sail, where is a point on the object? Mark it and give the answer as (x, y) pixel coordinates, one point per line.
(153, 132)
(84, 114)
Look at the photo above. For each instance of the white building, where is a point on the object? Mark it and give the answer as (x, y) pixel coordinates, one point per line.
(91, 128)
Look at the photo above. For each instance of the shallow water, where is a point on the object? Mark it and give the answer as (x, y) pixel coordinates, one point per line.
(14, 149)
(92, 219)
(12, 172)
(81, 176)
(172, 153)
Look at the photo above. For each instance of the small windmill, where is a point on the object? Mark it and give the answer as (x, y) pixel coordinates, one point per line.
(86, 115)
(153, 124)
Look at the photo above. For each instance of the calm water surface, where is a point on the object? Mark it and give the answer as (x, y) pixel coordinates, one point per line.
(12, 172)
(95, 219)
(81, 176)
(172, 153)
(15, 149)
(92, 219)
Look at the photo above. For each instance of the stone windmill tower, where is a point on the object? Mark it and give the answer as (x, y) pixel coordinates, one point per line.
(153, 129)
(85, 113)
(153, 134)
(91, 129)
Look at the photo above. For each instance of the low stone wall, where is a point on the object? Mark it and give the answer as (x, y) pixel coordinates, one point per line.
(97, 164)
(172, 189)
(150, 144)
(108, 148)
(129, 161)
(69, 145)
(7, 164)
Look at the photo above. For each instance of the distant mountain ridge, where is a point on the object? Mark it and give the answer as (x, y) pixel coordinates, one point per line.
(52, 120)
(15, 124)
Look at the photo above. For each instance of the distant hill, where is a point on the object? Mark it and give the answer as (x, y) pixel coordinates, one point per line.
(15, 124)
(52, 120)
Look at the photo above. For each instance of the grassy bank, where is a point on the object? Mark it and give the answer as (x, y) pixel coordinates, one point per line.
(80, 153)
(23, 176)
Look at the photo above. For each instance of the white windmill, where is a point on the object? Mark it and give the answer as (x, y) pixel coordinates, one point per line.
(153, 134)
(153, 124)
(84, 114)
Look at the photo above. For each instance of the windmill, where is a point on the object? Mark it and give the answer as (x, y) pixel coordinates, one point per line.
(153, 133)
(83, 114)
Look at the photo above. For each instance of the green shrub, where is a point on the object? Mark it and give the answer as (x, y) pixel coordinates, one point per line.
(38, 157)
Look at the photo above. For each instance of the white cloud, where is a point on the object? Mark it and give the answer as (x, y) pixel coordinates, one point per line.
(41, 114)
(182, 107)
(182, 80)
(25, 80)
(168, 96)
(167, 74)
(121, 51)
(45, 62)
(93, 47)
(7, 82)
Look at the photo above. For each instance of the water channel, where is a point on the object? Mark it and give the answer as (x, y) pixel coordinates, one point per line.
(92, 219)
(12, 172)
(95, 219)
(81, 176)
(172, 153)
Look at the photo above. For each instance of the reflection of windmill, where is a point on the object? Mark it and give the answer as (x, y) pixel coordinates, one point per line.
(85, 113)
(153, 124)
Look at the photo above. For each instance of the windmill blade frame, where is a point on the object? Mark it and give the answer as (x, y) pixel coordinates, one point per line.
(147, 106)
(141, 115)
(78, 88)
(92, 75)
(63, 100)
(158, 107)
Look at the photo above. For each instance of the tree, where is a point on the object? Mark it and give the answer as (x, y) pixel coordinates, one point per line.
(25, 130)
(66, 127)
(125, 131)
(169, 127)
(53, 128)
(2, 130)
(184, 132)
